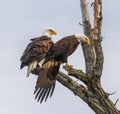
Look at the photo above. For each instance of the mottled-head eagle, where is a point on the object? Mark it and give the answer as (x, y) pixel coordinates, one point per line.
(37, 50)
(49, 67)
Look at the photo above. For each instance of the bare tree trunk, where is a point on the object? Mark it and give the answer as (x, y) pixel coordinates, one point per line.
(93, 93)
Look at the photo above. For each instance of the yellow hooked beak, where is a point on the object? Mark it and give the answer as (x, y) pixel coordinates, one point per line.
(54, 32)
(87, 41)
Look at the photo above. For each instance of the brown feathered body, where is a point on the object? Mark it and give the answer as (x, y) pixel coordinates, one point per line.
(36, 50)
(62, 49)
(57, 55)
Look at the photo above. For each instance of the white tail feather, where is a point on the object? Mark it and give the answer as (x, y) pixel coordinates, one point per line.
(31, 67)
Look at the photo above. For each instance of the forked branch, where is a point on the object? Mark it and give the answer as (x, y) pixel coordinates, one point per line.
(92, 92)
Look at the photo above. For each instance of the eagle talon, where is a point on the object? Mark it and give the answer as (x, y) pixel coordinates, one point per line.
(68, 66)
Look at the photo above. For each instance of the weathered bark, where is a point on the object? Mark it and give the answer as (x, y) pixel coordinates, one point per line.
(91, 92)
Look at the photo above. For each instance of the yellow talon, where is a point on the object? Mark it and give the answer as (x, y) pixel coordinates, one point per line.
(68, 66)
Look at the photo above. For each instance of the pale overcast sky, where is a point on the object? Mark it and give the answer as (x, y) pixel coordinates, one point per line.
(21, 20)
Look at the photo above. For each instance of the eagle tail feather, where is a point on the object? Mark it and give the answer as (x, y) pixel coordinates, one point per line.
(31, 67)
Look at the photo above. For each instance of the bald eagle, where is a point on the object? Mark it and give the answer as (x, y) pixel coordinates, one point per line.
(37, 50)
(49, 67)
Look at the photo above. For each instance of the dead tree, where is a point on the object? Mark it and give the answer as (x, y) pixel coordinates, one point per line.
(92, 92)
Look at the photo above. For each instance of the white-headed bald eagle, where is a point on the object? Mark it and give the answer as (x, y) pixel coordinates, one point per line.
(37, 50)
(50, 65)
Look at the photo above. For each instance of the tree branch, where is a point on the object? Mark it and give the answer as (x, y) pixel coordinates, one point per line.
(96, 34)
(78, 74)
(96, 98)
(76, 88)
(87, 51)
(97, 19)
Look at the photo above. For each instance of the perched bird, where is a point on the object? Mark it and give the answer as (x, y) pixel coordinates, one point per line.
(50, 64)
(37, 50)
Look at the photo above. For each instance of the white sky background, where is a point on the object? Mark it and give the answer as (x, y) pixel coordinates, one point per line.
(21, 20)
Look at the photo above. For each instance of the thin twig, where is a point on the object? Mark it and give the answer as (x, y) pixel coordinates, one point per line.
(112, 93)
(80, 24)
(116, 102)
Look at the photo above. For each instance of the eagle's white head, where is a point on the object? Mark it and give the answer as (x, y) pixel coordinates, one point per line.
(49, 32)
(82, 38)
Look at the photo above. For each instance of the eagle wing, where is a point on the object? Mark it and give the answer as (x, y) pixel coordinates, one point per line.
(36, 50)
(45, 82)
(59, 48)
